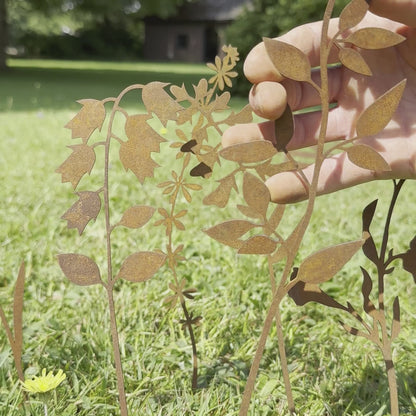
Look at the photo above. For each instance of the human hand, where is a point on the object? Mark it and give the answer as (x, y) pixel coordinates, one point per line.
(352, 92)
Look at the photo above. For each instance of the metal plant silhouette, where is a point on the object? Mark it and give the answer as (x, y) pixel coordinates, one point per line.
(15, 335)
(135, 154)
(259, 234)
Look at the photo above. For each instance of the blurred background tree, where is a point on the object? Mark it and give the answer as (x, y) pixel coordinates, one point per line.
(78, 29)
(271, 18)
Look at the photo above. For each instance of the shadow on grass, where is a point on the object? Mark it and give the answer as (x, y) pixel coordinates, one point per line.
(370, 394)
(36, 88)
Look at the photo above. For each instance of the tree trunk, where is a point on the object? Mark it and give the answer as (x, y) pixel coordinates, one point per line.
(3, 34)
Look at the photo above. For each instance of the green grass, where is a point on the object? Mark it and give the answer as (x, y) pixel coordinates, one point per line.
(65, 326)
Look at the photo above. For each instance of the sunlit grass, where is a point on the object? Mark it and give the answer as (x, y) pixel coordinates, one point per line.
(66, 327)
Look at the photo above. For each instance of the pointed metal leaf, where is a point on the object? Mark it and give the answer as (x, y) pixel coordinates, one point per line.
(256, 193)
(79, 269)
(290, 61)
(374, 38)
(229, 231)
(324, 264)
(353, 60)
(221, 195)
(251, 152)
(284, 128)
(352, 14)
(137, 216)
(141, 266)
(367, 158)
(366, 289)
(378, 114)
(259, 244)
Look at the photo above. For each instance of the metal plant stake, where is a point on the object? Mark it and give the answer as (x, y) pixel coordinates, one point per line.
(135, 154)
(15, 335)
(259, 233)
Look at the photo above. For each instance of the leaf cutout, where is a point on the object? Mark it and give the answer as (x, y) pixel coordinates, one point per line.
(158, 101)
(353, 60)
(256, 194)
(290, 61)
(374, 38)
(229, 231)
(90, 117)
(248, 211)
(275, 217)
(18, 312)
(251, 152)
(259, 244)
(324, 264)
(79, 269)
(221, 195)
(135, 153)
(352, 14)
(284, 128)
(354, 331)
(395, 326)
(367, 158)
(369, 247)
(80, 162)
(366, 289)
(409, 259)
(84, 210)
(137, 216)
(376, 117)
(302, 293)
(187, 147)
(141, 266)
(180, 93)
(268, 169)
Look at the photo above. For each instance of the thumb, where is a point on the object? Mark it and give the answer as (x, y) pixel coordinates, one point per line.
(403, 11)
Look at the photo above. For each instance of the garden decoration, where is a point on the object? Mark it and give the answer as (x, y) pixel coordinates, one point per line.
(15, 335)
(135, 154)
(259, 234)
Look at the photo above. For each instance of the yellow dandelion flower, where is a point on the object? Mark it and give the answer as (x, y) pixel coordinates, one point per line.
(45, 382)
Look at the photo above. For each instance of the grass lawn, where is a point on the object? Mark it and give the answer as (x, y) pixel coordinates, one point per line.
(66, 326)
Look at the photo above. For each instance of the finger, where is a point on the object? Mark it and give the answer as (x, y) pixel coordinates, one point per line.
(306, 130)
(258, 67)
(268, 99)
(338, 172)
(403, 11)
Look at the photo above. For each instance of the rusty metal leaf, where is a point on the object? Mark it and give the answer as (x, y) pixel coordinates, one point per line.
(158, 101)
(259, 244)
(276, 217)
(353, 60)
(137, 216)
(321, 266)
(180, 93)
(251, 152)
(374, 38)
(80, 162)
(369, 247)
(229, 231)
(409, 259)
(290, 61)
(202, 170)
(83, 211)
(367, 158)
(248, 211)
(352, 14)
(141, 266)
(395, 327)
(256, 194)
(284, 128)
(79, 269)
(366, 289)
(302, 293)
(18, 310)
(90, 117)
(269, 169)
(221, 195)
(378, 114)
